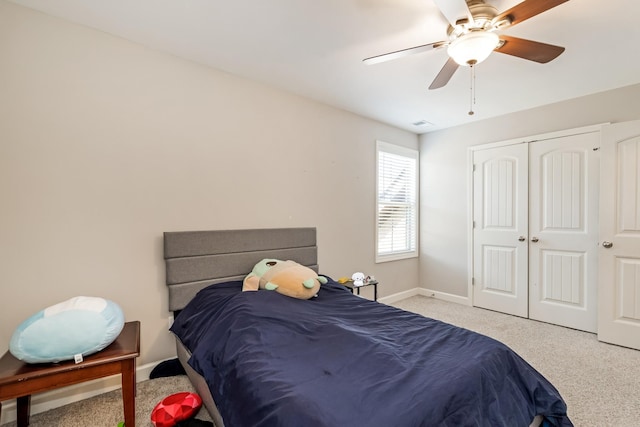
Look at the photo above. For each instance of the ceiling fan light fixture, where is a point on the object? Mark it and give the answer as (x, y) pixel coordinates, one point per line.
(473, 47)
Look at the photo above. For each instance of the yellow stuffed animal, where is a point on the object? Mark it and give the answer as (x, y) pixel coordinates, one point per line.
(285, 277)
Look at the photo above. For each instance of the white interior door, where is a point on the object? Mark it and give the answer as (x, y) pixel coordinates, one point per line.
(563, 230)
(619, 284)
(500, 228)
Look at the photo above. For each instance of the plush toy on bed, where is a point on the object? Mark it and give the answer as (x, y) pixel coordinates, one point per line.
(285, 277)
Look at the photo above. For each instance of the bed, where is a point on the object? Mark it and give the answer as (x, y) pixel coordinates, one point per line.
(264, 359)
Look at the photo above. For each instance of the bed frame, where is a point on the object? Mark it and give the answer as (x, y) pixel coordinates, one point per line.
(197, 259)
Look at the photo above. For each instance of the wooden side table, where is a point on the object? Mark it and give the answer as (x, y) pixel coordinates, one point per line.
(353, 288)
(20, 380)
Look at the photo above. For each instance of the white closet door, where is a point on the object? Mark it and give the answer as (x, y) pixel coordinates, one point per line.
(619, 284)
(563, 230)
(500, 229)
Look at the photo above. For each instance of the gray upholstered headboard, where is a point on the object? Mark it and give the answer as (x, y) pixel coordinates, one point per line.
(197, 259)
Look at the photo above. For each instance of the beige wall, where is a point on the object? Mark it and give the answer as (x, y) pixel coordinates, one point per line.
(105, 144)
(444, 174)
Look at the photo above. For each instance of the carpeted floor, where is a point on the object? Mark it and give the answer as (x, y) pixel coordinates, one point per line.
(105, 410)
(599, 382)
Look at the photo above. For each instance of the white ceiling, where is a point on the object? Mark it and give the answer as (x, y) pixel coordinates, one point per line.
(315, 49)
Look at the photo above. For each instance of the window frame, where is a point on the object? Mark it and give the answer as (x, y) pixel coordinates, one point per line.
(414, 155)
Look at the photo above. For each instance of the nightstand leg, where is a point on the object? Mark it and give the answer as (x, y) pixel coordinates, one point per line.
(375, 292)
(24, 410)
(129, 392)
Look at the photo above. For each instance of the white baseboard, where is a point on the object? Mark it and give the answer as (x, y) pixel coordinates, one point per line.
(444, 296)
(63, 396)
(390, 299)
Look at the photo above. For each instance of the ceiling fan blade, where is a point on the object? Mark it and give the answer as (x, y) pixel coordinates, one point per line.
(445, 74)
(528, 49)
(525, 10)
(402, 53)
(454, 10)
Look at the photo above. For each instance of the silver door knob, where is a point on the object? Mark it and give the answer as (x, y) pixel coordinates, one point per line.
(607, 245)
(522, 238)
(534, 239)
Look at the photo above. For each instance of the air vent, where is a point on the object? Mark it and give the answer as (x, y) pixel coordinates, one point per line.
(422, 123)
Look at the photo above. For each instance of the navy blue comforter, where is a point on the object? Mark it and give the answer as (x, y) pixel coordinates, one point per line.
(340, 360)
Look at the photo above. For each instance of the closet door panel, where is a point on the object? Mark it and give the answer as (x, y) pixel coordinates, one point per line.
(499, 234)
(563, 221)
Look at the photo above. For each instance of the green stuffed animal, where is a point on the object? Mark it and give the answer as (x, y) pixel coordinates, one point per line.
(285, 277)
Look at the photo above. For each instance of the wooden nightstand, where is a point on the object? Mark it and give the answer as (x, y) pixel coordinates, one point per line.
(353, 288)
(20, 380)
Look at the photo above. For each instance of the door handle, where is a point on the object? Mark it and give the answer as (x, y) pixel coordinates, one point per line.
(522, 239)
(607, 245)
(534, 239)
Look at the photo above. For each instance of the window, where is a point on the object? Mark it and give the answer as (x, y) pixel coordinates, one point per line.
(397, 202)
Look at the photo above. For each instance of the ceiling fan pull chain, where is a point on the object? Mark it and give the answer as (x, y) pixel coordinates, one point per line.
(472, 94)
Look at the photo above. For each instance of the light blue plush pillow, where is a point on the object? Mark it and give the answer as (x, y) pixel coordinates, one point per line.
(80, 325)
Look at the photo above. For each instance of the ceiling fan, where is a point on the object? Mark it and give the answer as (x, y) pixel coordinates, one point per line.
(472, 36)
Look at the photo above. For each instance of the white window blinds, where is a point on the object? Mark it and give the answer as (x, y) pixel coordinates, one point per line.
(397, 202)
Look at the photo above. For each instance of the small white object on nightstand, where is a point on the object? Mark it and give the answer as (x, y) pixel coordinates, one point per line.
(358, 279)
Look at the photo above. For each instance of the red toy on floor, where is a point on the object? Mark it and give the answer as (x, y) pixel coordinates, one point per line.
(175, 408)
